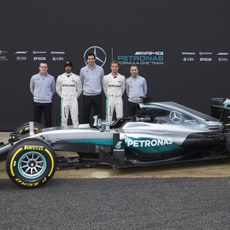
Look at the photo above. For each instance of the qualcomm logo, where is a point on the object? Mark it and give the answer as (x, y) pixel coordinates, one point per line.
(99, 53)
(148, 143)
(205, 53)
(39, 52)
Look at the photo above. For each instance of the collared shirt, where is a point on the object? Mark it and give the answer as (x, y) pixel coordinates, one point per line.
(42, 88)
(91, 79)
(114, 85)
(68, 85)
(136, 87)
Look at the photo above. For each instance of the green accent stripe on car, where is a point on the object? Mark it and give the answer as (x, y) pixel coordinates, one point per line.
(92, 141)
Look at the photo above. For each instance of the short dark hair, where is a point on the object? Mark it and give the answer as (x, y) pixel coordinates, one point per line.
(114, 62)
(90, 54)
(133, 66)
(43, 62)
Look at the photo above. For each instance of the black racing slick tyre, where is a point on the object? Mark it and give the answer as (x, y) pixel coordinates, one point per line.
(23, 129)
(31, 163)
(228, 144)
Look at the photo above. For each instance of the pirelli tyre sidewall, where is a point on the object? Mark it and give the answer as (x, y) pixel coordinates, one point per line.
(31, 163)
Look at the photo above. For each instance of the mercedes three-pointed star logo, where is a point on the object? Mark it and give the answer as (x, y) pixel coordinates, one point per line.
(99, 53)
(175, 117)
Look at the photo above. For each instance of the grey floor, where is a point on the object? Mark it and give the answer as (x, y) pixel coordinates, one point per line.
(181, 203)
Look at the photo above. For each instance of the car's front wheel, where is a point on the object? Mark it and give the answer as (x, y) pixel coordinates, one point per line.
(31, 163)
(25, 128)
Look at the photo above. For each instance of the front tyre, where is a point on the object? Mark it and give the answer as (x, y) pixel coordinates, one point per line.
(25, 128)
(31, 163)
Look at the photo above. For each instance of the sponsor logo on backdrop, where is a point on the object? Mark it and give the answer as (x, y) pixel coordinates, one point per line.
(207, 56)
(39, 58)
(3, 55)
(39, 52)
(188, 59)
(57, 58)
(142, 58)
(21, 52)
(21, 55)
(222, 56)
(58, 52)
(99, 53)
(188, 53)
(205, 53)
(205, 59)
(2, 52)
(188, 56)
(57, 55)
(21, 58)
(39, 55)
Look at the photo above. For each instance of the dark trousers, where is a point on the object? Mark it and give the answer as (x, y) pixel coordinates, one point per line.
(90, 102)
(133, 108)
(46, 109)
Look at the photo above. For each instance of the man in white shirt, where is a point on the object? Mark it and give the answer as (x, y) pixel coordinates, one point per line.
(114, 87)
(69, 88)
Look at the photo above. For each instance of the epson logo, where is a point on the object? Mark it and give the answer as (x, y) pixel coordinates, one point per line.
(205, 59)
(149, 53)
(39, 58)
(149, 143)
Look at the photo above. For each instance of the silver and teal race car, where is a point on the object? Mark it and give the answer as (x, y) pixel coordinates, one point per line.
(161, 133)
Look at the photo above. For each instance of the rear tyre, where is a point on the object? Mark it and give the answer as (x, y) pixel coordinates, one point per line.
(228, 144)
(31, 163)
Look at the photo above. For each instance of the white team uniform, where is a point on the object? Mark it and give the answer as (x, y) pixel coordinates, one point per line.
(114, 87)
(69, 88)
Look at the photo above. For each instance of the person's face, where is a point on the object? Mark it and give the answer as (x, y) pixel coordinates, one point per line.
(134, 71)
(68, 69)
(114, 68)
(43, 68)
(91, 60)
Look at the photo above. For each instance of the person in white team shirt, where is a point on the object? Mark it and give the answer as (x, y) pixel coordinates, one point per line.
(69, 88)
(114, 87)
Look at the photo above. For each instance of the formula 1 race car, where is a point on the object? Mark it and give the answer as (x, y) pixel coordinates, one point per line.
(161, 133)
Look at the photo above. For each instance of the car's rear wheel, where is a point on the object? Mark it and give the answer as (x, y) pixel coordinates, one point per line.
(228, 143)
(31, 163)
